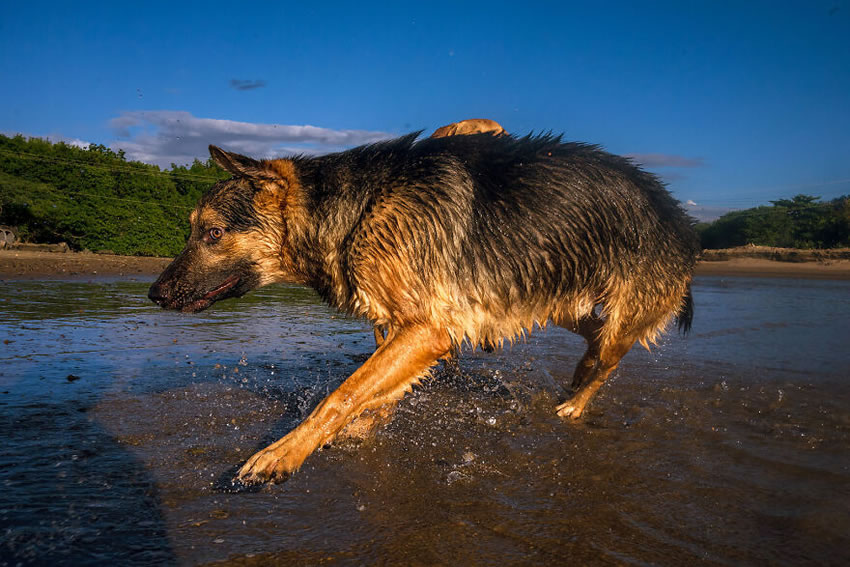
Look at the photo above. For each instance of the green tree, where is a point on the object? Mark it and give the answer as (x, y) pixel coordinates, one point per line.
(799, 222)
(94, 198)
(807, 219)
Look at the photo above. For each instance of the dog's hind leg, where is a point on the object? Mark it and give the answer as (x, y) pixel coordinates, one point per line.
(594, 369)
(400, 361)
(589, 328)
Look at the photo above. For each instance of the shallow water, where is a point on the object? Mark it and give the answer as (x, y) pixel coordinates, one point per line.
(123, 424)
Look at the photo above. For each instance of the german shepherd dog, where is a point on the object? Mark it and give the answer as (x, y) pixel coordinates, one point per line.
(449, 241)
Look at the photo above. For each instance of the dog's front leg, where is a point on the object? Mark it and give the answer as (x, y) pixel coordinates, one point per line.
(402, 359)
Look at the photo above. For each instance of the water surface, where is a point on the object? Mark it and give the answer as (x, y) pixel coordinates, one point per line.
(123, 424)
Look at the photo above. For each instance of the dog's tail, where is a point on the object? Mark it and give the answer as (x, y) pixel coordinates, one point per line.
(686, 316)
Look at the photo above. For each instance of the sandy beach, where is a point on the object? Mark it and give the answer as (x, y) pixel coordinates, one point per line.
(32, 265)
(757, 267)
(36, 265)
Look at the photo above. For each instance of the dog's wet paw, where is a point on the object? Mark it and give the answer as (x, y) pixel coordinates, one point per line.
(269, 465)
(569, 410)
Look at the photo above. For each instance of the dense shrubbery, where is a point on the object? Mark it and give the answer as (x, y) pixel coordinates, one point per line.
(801, 222)
(94, 198)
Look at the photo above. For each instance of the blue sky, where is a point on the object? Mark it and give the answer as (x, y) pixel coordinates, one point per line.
(733, 104)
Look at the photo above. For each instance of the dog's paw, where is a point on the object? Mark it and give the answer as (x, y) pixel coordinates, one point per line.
(272, 464)
(569, 410)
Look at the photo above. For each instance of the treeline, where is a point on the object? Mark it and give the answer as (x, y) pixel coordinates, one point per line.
(95, 199)
(800, 222)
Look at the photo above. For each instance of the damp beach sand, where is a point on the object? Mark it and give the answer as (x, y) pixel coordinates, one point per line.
(124, 424)
(35, 265)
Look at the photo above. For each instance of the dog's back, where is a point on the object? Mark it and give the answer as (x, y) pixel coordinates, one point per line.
(489, 235)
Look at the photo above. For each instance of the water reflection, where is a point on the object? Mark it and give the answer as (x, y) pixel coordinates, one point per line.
(728, 446)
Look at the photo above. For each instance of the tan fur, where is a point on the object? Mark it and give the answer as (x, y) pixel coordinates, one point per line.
(281, 194)
(262, 247)
(470, 126)
(379, 313)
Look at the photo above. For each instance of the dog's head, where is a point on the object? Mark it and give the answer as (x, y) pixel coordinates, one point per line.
(237, 241)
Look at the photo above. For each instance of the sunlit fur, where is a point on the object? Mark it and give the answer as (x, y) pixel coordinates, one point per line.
(249, 249)
(471, 126)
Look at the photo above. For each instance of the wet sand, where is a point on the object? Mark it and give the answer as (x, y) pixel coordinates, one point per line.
(19, 265)
(29, 265)
(756, 267)
(124, 425)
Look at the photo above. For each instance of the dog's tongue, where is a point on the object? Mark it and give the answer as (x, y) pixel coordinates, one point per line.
(228, 283)
(209, 297)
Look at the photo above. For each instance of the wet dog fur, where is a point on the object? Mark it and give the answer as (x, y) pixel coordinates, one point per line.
(464, 127)
(470, 126)
(449, 241)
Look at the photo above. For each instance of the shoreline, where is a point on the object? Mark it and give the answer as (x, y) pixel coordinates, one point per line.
(760, 268)
(20, 265)
(17, 265)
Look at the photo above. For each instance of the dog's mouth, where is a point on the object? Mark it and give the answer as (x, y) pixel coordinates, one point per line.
(209, 297)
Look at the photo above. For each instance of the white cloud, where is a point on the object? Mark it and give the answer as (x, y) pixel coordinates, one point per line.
(164, 137)
(70, 141)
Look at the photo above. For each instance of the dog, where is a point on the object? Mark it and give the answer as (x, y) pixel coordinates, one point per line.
(460, 240)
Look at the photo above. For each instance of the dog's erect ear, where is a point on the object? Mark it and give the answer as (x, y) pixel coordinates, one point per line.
(237, 164)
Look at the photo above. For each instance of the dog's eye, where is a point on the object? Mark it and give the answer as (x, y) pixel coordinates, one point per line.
(216, 233)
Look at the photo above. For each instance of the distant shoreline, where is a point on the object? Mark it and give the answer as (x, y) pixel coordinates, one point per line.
(21, 265)
(766, 261)
(17, 265)
(755, 267)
